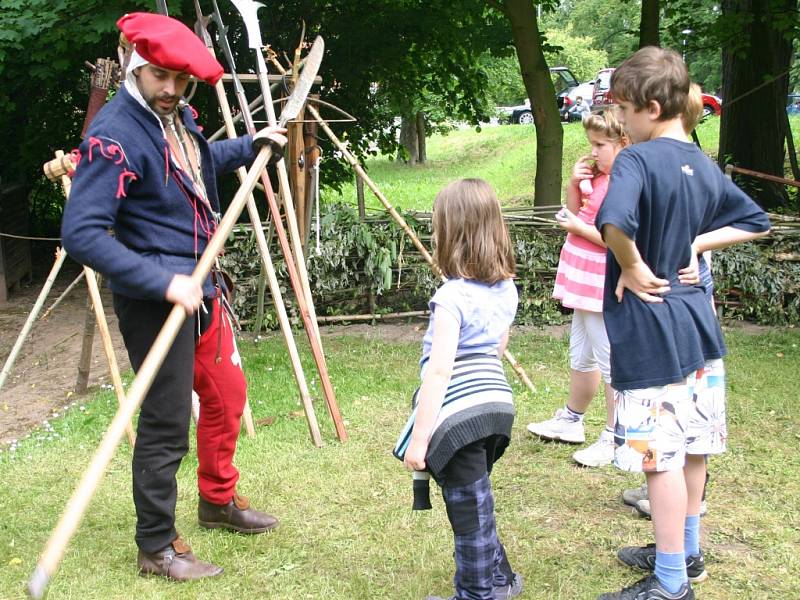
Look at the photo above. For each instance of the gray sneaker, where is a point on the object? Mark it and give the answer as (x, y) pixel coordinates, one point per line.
(512, 590)
(643, 508)
(644, 558)
(649, 589)
(634, 495)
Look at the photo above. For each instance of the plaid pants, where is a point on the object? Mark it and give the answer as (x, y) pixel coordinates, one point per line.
(481, 561)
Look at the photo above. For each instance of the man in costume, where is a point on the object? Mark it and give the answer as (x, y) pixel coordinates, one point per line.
(147, 173)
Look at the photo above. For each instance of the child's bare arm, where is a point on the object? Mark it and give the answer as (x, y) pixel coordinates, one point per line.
(582, 170)
(434, 384)
(573, 224)
(722, 238)
(636, 275)
(503, 344)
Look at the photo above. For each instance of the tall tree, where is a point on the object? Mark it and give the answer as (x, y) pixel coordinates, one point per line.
(648, 27)
(539, 85)
(755, 82)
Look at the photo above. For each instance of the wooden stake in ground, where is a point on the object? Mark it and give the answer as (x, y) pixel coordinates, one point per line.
(95, 303)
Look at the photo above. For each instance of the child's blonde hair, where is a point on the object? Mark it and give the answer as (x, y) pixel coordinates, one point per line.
(694, 108)
(606, 123)
(471, 238)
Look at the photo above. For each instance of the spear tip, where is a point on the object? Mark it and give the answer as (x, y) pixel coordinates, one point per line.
(38, 583)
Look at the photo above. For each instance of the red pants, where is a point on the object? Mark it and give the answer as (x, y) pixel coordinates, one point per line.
(220, 383)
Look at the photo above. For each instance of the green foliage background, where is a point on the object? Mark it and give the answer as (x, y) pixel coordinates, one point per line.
(359, 257)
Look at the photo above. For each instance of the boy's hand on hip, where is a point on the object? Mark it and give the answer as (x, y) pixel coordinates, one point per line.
(640, 280)
(182, 290)
(415, 455)
(690, 275)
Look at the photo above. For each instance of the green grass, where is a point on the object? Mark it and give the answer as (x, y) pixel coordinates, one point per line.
(505, 156)
(347, 532)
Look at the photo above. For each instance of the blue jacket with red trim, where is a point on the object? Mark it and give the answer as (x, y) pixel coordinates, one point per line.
(125, 183)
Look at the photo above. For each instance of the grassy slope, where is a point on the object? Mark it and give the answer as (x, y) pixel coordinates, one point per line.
(505, 156)
(347, 532)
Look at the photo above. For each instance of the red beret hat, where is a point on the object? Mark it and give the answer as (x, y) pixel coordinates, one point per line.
(169, 44)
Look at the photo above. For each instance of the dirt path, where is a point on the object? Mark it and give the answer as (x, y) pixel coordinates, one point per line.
(44, 375)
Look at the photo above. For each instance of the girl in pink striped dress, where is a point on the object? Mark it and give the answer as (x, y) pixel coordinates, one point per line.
(579, 285)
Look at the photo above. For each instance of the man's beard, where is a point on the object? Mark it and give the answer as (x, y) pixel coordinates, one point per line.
(153, 103)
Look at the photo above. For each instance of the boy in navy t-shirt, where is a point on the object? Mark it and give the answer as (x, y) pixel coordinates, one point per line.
(666, 203)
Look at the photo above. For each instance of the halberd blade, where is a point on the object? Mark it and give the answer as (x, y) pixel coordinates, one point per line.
(249, 11)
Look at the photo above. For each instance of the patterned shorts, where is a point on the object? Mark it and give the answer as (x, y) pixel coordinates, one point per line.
(657, 427)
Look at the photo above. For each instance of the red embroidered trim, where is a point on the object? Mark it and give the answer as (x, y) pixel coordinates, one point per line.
(121, 182)
(195, 116)
(110, 152)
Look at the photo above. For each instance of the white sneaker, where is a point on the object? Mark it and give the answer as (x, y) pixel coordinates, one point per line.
(643, 507)
(560, 428)
(599, 454)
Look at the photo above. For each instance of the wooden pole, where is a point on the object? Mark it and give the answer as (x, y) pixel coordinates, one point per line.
(275, 288)
(108, 346)
(85, 362)
(310, 324)
(61, 296)
(286, 194)
(403, 225)
(78, 503)
(61, 256)
(296, 153)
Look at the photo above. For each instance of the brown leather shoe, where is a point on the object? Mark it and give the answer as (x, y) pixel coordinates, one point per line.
(176, 562)
(235, 515)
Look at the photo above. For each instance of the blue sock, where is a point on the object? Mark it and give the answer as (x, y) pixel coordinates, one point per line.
(691, 536)
(671, 570)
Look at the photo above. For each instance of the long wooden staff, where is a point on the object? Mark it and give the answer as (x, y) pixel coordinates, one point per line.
(266, 260)
(305, 308)
(249, 9)
(76, 507)
(398, 218)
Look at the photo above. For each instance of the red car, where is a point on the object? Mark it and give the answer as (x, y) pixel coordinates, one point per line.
(602, 94)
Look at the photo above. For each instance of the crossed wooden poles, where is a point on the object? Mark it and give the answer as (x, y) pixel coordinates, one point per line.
(360, 172)
(57, 170)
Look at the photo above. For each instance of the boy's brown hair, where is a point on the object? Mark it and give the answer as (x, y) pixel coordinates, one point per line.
(694, 108)
(606, 123)
(470, 236)
(653, 73)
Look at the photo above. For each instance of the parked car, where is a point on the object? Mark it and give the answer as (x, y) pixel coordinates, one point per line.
(563, 81)
(712, 105)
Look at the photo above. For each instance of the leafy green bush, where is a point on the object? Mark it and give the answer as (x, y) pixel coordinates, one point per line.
(760, 282)
(371, 266)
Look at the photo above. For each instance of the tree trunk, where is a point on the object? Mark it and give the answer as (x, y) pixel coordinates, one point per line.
(753, 126)
(648, 28)
(409, 138)
(542, 94)
(421, 135)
